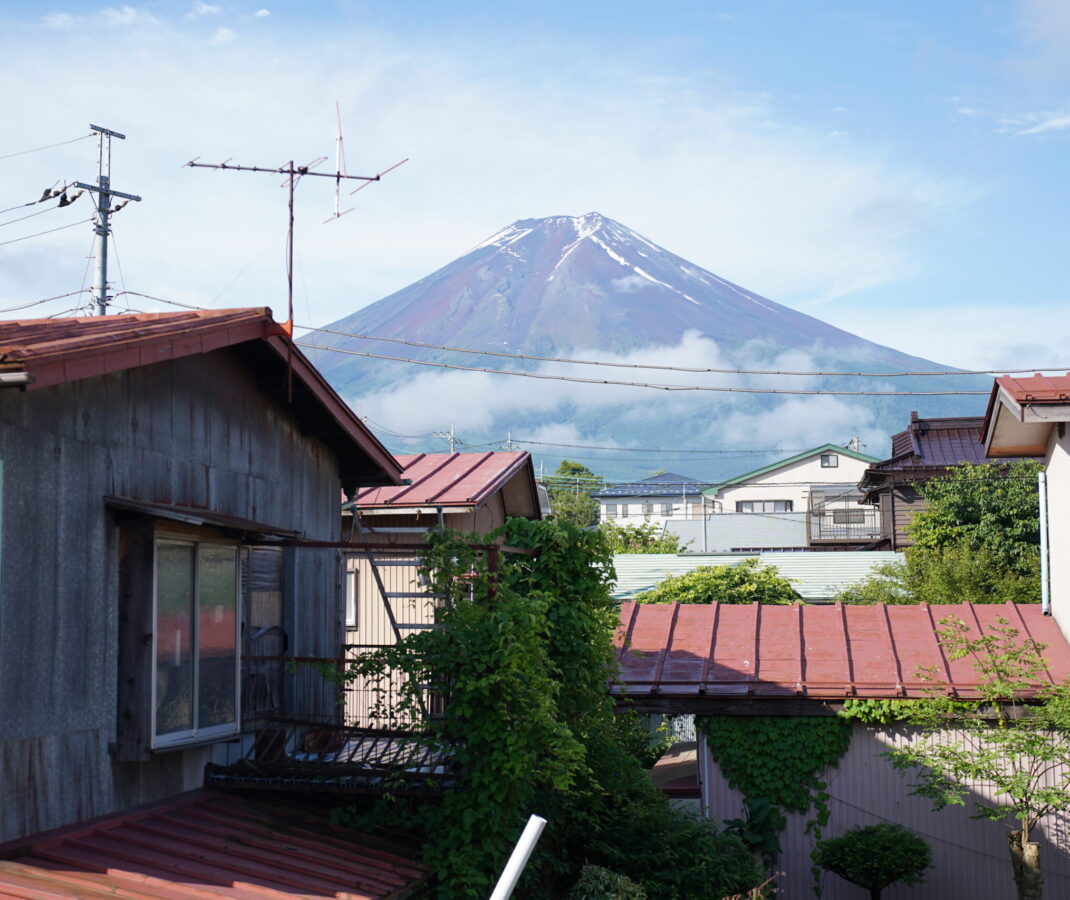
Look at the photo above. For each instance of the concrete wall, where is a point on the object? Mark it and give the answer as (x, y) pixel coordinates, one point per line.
(970, 856)
(1058, 463)
(192, 432)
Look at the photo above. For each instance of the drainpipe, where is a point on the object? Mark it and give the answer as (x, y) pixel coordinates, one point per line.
(519, 858)
(1045, 594)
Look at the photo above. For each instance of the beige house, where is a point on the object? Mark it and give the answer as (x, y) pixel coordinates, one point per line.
(1028, 417)
(385, 598)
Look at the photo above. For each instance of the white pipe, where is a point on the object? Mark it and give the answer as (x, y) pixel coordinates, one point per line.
(1045, 596)
(518, 859)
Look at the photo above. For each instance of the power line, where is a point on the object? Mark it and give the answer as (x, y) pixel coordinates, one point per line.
(658, 449)
(665, 368)
(39, 302)
(39, 233)
(40, 212)
(651, 386)
(47, 146)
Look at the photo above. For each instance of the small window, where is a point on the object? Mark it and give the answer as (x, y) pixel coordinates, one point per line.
(648, 509)
(764, 506)
(666, 509)
(352, 595)
(611, 510)
(196, 659)
(830, 461)
(849, 516)
(624, 510)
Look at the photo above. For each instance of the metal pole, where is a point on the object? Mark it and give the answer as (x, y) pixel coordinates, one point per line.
(103, 203)
(518, 859)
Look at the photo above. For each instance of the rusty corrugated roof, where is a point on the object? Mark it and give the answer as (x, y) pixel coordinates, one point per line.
(56, 351)
(824, 652)
(208, 846)
(450, 479)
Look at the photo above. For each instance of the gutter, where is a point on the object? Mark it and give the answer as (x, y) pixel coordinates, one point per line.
(1045, 590)
(15, 379)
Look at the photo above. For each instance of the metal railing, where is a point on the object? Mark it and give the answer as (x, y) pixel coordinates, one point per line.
(849, 524)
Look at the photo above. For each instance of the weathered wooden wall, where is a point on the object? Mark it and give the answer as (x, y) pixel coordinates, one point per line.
(970, 857)
(192, 432)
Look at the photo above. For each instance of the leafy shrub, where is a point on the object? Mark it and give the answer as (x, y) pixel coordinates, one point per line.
(875, 856)
(643, 538)
(745, 582)
(596, 883)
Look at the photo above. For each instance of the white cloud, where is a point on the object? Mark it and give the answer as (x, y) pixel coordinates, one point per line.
(127, 15)
(201, 9)
(59, 21)
(261, 13)
(222, 36)
(1049, 122)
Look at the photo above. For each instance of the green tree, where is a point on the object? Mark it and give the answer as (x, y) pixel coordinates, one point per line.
(745, 582)
(643, 538)
(570, 490)
(987, 508)
(977, 541)
(522, 657)
(1019, 751)
(875, 856)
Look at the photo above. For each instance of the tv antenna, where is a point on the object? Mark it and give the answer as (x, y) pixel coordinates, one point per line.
(101, 227)
(294, 174)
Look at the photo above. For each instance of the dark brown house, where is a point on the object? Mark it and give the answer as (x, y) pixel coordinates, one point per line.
(164, 482)
(922, 452)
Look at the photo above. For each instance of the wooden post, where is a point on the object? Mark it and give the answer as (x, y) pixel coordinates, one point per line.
(137, 551)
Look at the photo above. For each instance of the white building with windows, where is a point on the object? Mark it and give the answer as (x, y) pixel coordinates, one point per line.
(655, 500)
(817, 488)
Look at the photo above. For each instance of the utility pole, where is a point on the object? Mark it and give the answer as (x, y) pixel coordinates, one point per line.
(101, 228)
(450, 436)
(855, 444)
(509, 441)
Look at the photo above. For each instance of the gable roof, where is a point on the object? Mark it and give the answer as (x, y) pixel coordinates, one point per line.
(667, 484)
(798, 457)
(1021, 412)
(754, 652)
(454, 480)
(924, 450)
(815, 575)
(36, 354)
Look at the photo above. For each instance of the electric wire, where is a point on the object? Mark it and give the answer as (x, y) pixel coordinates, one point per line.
(39, 233)
(39, 302)
(118, 263)
(40, 212)
(648, 385)
(666, 368)
(47, 146)
(246, 267)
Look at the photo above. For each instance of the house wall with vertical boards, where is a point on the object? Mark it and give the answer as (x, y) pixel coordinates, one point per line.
(970, 856)
(192, 432)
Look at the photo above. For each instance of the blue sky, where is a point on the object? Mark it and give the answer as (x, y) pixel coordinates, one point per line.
(898, 170)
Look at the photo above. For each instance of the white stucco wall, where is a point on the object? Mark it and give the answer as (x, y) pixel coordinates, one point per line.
(635, 515)
(1058, 463)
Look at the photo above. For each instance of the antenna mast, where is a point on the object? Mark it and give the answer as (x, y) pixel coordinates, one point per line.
(101, 228)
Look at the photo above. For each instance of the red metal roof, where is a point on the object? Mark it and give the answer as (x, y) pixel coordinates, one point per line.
(55, 351)
(207, 846)
(450, 479)
(1037, 388)
(824, 652)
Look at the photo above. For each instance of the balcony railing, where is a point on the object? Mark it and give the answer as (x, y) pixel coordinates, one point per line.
(855, 524)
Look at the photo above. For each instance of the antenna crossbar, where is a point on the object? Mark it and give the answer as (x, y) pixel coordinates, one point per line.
(283, 170)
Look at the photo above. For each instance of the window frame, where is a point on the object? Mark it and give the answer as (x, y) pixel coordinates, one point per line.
(611, 510)
(848, 516)
(789, 506)
(195, 736)
(830, 460)
(666, 509)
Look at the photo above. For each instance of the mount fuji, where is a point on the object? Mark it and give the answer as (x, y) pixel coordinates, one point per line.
(587, 286)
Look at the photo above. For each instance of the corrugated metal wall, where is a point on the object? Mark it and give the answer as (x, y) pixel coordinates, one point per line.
(970, 857)
(193, 432)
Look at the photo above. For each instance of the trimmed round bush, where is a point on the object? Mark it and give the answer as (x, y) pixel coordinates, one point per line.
(875, 856)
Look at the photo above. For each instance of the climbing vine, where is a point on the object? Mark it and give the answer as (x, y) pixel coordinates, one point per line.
(779, 759)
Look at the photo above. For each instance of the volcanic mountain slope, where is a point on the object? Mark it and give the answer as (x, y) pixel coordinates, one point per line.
(557, 285)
